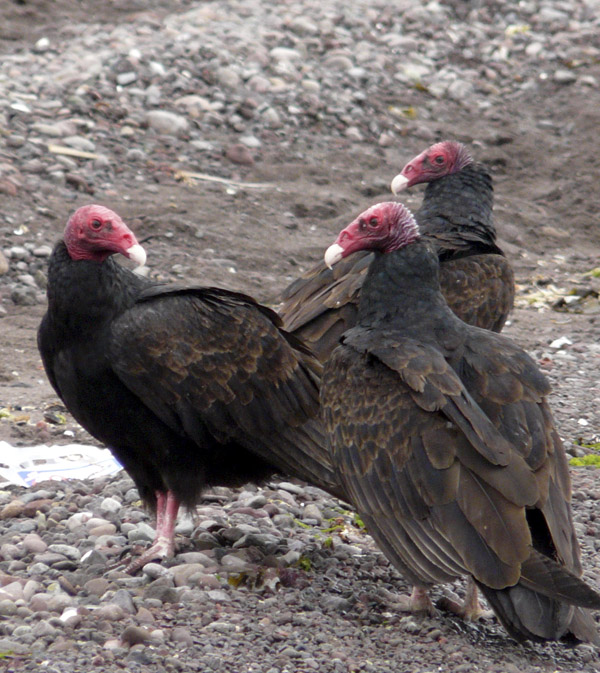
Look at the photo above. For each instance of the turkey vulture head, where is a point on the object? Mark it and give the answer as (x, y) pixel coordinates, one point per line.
(435, 162)
(384, 227)
(95, 232)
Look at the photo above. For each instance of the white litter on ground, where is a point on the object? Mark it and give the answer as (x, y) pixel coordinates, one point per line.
(28, 465)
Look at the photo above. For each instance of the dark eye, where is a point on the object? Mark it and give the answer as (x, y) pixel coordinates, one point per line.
(373, 222)
(96, 224)
(439, 159)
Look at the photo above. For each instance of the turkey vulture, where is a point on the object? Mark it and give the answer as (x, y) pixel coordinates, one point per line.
(187, 386)
(444, 441)
(456, 217)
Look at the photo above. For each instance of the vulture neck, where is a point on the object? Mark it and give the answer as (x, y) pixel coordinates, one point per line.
(84, 293)
(402, 291)
(457, 212)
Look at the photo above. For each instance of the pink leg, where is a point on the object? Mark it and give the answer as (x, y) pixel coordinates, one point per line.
(469, 610)
(163, 546)
(161, 506)
(418, 601)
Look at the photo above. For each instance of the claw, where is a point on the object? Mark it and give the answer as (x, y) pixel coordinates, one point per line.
(470, 609)
(163, 546)
(418, 601)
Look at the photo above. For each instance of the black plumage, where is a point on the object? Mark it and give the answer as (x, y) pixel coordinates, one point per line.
(456, 218)
(187, 386)
(443, 438)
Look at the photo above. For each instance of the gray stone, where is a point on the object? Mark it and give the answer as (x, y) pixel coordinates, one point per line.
(196, 557)
(7, 607)
(222, 626)
(142, 532)
(42, 45)
(42, 251)
(312, 511)
(251, 141)
(93, 557)
(80, 143)
(14, 646)
(22, 631)
(228, 77)
(66, 550)
(336, 603)
(162, 592)
(101, 161)
(185, 526)
(254, 500)
(155, 570)
(59, 129)
(15, 140)
(265, 542)
(289, 487)
(153, 95)
(234, 564)
(563, 76)
(134, 635)
(239, 154)
(272, 117)
(31, 588)
(12, 591)
(38, 568)
(18, 252)
(122, 599)
(302, 25)
(125, 78)
(59, 601)
(338, 62)
(551, 15)
(24, 296)
(110, 505)
(97, 586)
(285, 54)
(135, 154)
(169, 123)
(182, 635)
(44, 628)
(27, 279)
(110, 612)
(259, 84)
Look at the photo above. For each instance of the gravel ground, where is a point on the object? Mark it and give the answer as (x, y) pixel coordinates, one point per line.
(238, 165)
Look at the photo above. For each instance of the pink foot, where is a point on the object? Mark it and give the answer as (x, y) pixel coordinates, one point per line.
(163, 546)
(418, 601)
(470, 610)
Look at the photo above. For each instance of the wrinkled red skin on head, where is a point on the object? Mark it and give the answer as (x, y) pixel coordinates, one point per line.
(385, 227)
(435, 162)
(95, 232)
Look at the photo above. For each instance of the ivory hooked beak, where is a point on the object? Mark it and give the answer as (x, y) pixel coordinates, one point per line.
(399, 183)
(333, 254)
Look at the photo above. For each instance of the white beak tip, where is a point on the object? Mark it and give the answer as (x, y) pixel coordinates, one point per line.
(137, 254)
(333, 254)
(399, 183)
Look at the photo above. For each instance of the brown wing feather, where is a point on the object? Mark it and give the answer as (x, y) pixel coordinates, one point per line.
(480, 289)
(402, 476)
(436, 503)
(212, 363)
(494, 371)
(322, 304)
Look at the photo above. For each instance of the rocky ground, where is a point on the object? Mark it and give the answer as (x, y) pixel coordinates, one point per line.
(236, 138)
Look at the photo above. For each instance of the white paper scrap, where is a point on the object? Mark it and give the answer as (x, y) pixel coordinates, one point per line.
(28, 465)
